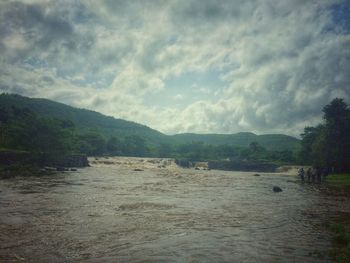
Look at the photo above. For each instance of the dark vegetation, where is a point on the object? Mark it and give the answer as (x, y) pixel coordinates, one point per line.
(328, 144)
(48, 130)
(271, 142)
(339, 179)
(340, 250)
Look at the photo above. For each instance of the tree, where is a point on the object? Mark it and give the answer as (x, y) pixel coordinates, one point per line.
(307, 139)
(226, 151)
(91, 143)
(113, 146)
(336, 112)
(328, 144)
(256, 148)
(319, 150)
(165, 150)
(135, 145)
(24, 130)
(336, 134)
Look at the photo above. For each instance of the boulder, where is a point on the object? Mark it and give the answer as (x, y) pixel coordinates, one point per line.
(201, 165)
(277, 189)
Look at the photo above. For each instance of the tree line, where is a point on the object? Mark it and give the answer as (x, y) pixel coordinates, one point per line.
(23, 130)
(327, 145)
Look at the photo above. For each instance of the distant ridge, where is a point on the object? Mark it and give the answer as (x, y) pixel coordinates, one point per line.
(243, 139)
(110, 126)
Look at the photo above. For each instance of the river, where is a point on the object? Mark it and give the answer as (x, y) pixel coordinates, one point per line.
(150, 210)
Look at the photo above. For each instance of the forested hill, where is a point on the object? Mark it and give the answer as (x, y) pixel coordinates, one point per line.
(83, 119)
(86, 120)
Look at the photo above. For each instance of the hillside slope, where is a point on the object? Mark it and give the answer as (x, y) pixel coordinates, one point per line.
(108, 126)
(82, 118)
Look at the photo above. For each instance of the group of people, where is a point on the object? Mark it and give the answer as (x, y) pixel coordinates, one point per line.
(313, 175)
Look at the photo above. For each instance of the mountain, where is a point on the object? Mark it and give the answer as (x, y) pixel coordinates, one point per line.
(108, 126)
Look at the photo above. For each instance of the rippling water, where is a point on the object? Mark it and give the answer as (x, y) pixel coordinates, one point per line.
(111, 213)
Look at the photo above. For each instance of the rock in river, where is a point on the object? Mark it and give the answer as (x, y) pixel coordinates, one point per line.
(277, 189)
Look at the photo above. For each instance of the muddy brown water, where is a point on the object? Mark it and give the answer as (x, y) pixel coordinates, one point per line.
(111, 213)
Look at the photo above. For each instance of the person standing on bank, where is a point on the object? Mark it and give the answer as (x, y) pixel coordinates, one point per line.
(313, 174)
(318, 175)
(301, 173)
(308, 174)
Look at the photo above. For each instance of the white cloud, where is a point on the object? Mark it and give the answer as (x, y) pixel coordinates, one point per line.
(178, 97)
(280, 62)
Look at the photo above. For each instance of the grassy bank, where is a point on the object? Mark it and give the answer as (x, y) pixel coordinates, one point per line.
(340, 251)
(343, 179)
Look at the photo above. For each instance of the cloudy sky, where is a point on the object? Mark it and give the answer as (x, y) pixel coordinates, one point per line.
(205, 66)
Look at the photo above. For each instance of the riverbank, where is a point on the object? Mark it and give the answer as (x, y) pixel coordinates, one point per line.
(340, 251)
(23, 163)
(339, 179)
(9, 171)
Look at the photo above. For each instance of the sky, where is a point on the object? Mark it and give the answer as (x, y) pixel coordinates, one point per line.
(203, 66)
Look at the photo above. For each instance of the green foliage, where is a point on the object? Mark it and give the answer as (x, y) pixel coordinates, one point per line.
(54, 129)
(273, 142)
(165, 150)
(199, 151)
(91, 143)
(83, 120)
(340, 243)
(134, 145)
(343, 179)
(114, 146)
(328, 144)
(24, 130)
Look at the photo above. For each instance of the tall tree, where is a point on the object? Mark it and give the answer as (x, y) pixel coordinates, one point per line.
(328, 144)
(337, 134)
